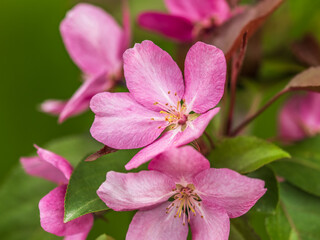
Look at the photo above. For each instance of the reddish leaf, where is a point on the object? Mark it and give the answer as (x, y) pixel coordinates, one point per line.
(307, 50)
(228, 37)
(307, 80)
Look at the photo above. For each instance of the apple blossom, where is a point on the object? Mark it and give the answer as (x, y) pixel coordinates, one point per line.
(160, 101)
(55, 168)
(96, 43)
(181, 188)
(300, 117)
(186, 18)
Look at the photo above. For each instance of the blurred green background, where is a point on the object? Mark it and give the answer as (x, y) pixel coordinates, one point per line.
(35, 66)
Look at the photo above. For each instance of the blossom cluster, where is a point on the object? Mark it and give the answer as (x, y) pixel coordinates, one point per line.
(163, 111)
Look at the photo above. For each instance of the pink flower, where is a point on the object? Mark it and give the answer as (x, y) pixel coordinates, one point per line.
(55, 168)
(202, 196)
(300, 117)
(160, 101)
(186, 18)
(96, 43)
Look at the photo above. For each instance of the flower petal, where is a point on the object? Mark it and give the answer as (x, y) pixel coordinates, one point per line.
(92, 38)
(130, 191)
(156, 224)
(215, 224)
(289, 121)
(79, 236)
(80, 101)
(310, 111)
(172, 139)
(35, 166)
(126, 25)
(175, 27)
(181, 164)
(229, 190)
(200, 10)
(205, 75)
(52, 106)
(152, 76)
(122, 123)
(48, 165)
(51, 209)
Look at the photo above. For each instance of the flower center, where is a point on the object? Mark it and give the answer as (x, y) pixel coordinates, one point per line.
(175, 116)
(186, 202)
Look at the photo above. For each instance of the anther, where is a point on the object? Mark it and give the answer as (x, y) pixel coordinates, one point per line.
(152, 118)
(168, 92)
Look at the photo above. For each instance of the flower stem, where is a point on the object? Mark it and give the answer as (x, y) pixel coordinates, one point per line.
(210, 140)
(236, 65)
(253, 116)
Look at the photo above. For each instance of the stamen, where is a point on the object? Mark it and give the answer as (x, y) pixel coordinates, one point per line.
(186, 202)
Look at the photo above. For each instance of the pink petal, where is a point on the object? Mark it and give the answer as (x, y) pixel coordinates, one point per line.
(51, 209)
(156, 224)
(130, 191)
(93, 39)
(79, 236)
(289, 122)
(229, 190)
(181, 164)
(122, 123)
(200, 10)
(205, 75)
(310, 111)
(215, 224)
(48, 165)
(175, 27)
(172, 139)
(35, 166)
(53, 107)
(152, 76)
(80, 101)
(126, 25)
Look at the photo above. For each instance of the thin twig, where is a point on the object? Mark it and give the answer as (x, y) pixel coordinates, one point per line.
(252, 117)
(103, 151)
(236, 65)
(210, 140)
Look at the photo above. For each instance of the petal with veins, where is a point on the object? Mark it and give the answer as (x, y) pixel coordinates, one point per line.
(152, 76)
(122, 123)
(181, 164)
(156, 224)
(130, 191)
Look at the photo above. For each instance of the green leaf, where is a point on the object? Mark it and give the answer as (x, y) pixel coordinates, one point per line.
(104, 237)
(299, 216)
(245, 154)
(278, 226)
(20, 193)
(81, 197)
(303, 169)
(269, 201)
(241, 230)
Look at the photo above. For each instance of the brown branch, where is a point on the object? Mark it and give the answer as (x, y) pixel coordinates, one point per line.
(103, 151)
(252, 117)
